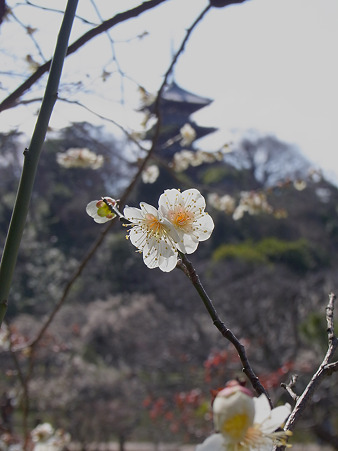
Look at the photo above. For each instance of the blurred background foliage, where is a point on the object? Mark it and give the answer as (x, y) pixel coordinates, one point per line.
(132, 355)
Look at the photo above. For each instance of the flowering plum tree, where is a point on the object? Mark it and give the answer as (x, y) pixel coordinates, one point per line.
(165, 235)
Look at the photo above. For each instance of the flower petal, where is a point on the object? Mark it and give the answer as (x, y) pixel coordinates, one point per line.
(203, 227)
(193, 199)
(138, 237)
(92, 209)
(214, 442)
(147, 208)
(262, 409)
(276, 418)
(168, 200)
(133, 214)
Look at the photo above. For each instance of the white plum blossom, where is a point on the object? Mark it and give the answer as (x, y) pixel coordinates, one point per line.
(182, 160)
(224, 203)
(42, 432)
(188, 135)
(45, 438)
(150, 174)
(100, 210)
(253, 203)
(178, 225)
(79, 158)
(244, 423)
(185, 211)
(153, 235)
(147, 98)
(300, 185)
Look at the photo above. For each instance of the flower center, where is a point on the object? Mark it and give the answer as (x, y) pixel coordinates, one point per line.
(236, 427)
(181, 218)
(103, 210)
(153, 224)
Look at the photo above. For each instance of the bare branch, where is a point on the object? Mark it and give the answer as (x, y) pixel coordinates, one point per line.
(12, 100)
(325, 369)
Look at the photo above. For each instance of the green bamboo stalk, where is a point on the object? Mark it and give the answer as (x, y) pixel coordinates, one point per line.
(32, 156)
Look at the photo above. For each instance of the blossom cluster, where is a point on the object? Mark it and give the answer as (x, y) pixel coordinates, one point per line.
(177, 225)
(43, 438)
(245, 423)
(251, 202)
(79, 158)
(182, 160)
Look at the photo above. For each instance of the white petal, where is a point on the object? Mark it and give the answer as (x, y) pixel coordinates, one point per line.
(203, 227)
(174, 234)
(138, 237)
(151, 253)
(213, 443)
(190, 244)
(168, 200)
(262, 408)
(276, 418)
(133, 214)
(168, 263)
(91, 210)
(146, 208)
(194, 199)
(101, 220)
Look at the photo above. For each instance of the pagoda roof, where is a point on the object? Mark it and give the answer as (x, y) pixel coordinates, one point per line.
(173, 93)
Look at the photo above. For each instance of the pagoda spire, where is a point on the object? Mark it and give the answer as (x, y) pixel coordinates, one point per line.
(176, 106)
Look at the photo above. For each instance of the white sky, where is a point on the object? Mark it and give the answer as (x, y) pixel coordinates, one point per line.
(270, 65)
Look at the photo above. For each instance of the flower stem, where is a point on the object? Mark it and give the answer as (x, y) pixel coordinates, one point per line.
(32, 156)
(190, 272)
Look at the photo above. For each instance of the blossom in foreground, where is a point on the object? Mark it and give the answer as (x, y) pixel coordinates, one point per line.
(79, 158)
(245, 423)
(153, 235)
(100, 210)
(185, 211)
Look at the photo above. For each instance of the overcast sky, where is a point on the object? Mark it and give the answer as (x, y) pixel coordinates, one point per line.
(269, 65)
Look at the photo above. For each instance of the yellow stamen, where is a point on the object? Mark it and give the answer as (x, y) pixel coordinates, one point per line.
(181, 218)
(236, 426)
(153, 223)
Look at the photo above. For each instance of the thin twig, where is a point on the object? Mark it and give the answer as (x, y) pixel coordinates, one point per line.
(290, 386)
(325, 369)
(12, 99)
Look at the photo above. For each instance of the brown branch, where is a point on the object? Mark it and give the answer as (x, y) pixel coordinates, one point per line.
(12, 100)
(325, 369)
(189, 271)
